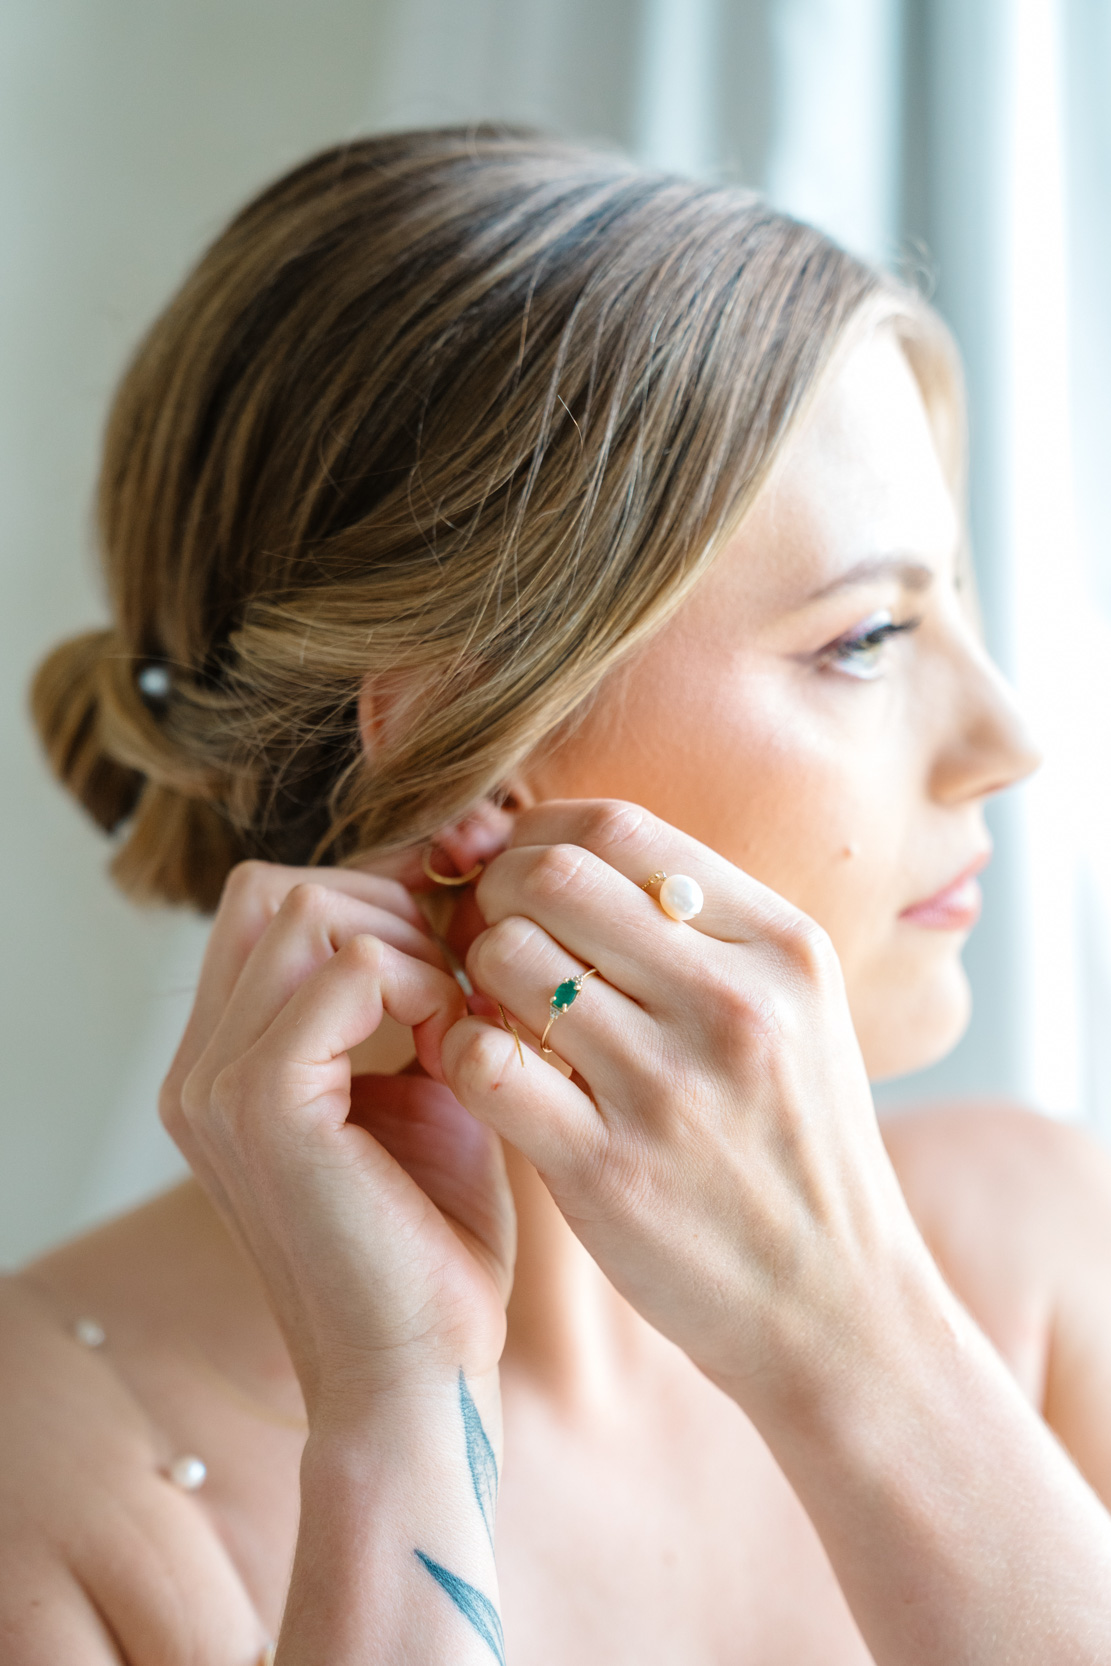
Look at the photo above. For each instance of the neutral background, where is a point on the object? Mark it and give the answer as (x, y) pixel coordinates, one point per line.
(966, 139)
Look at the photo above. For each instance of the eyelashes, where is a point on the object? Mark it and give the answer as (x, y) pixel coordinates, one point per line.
(862, 652)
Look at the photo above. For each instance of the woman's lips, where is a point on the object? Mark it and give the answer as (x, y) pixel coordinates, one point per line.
(956, 907)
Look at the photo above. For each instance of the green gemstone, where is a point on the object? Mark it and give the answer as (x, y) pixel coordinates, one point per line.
(564, 995)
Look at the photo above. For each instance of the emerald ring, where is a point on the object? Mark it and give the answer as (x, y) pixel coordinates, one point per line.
(564, 994)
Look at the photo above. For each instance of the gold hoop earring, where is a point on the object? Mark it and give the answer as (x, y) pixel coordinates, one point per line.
(447, 879)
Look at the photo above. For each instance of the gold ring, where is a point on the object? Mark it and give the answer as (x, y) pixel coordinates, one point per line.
(564, 994)
(447, 879)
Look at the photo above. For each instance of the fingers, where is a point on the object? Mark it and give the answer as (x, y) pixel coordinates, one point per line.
(602, 1032)
(594, 911)
(543, 1114)
(255, 891)
(638, 844)
(339, 1005)
(313, 924)
(253, 894)
(295, 1079)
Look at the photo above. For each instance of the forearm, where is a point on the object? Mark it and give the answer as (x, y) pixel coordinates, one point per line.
(960, 1531)
(395, 1560)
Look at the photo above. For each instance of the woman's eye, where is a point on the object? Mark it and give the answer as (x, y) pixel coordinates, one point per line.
(862, 653)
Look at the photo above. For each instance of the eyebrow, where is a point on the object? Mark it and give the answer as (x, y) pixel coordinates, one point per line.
(911, 574)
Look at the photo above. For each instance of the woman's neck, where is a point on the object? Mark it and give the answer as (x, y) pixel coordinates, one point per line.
(569, 1330)
(170, 1275)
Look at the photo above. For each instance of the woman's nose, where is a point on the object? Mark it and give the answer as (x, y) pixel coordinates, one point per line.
(990, 745)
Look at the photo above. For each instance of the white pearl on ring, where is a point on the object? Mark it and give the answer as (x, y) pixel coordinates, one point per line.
(681, 897)
(188, 1472)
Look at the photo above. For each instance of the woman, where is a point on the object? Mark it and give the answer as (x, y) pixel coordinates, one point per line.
(485, 511)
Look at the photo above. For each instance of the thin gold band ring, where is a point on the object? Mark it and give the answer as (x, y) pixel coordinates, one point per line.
(564, 994)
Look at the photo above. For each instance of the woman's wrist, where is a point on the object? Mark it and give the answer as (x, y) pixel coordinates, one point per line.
(889, 1353)
(353, 1424)
(950, 1514)
(395, 1556)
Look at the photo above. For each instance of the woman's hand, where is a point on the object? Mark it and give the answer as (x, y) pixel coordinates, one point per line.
(716, 1150)
(716, 1147)
(383, 1227)
(381, 1222)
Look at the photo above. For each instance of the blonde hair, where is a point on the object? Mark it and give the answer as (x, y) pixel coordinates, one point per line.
(455, 416)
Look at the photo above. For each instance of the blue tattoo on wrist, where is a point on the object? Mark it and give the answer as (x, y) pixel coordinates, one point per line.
(471, 1603)
(480, 1457)
(468, 1599)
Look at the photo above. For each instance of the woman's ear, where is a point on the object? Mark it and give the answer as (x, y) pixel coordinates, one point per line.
(384, 706)
(476, 837)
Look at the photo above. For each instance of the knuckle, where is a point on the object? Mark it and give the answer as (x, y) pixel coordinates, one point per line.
(807, 949)
(555, 869)
(615, 824)
(245, 880)
(362, 954)
(229, 1095)
(500, 948)
(254, 892)
(727, 993)
(745, 1018)
(482, 1055)
(307, 902)
(185, 1104)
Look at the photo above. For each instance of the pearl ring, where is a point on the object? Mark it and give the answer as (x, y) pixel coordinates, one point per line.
(679, 896)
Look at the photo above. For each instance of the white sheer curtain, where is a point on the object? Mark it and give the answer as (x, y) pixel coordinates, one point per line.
(1011, 186)
(1085, 76)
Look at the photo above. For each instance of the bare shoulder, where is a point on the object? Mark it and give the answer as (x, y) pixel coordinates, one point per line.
(1016, 1209)
(991, 1180)
(101, 1558)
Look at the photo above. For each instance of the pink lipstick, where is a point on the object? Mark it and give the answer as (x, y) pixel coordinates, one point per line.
(956, 907)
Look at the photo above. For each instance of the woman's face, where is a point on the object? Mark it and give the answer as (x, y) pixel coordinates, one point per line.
(821, 710)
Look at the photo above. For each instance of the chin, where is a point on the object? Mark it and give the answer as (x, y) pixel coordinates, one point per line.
(906, 1026)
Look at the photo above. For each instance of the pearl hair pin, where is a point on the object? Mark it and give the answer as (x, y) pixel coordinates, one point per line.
(153, 681)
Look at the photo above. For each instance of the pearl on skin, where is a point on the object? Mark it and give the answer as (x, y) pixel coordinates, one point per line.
(188, 1472)
(681, 897)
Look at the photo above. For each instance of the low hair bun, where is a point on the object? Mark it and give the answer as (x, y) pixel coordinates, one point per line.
(178, 850)
(107, 745)
(66, 708)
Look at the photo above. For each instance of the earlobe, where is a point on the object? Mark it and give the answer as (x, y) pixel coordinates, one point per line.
(479, 837)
